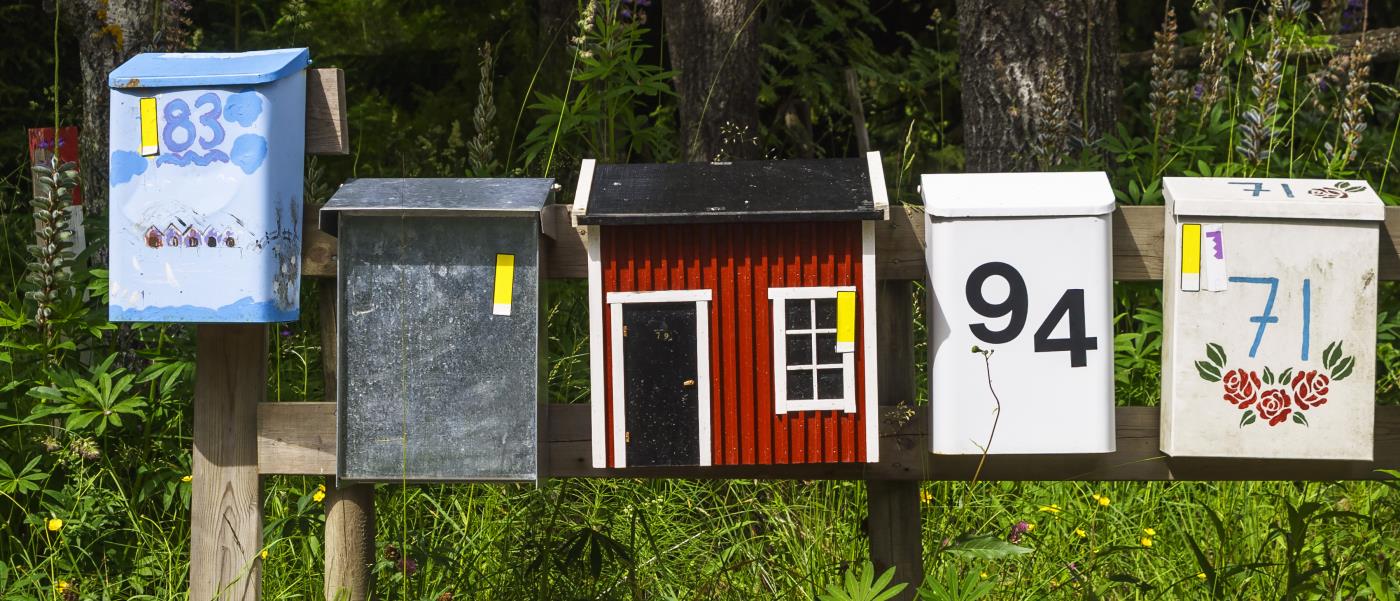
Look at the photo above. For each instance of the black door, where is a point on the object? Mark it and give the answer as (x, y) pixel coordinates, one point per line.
(659, 370)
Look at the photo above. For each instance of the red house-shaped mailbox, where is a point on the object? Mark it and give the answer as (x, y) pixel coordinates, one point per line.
(732, 311)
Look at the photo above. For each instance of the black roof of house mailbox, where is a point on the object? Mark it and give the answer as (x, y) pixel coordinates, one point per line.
(731, 192)
(439, 328)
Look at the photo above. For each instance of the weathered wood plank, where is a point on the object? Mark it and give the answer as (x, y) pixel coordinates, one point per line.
(226, 499)
(893, 512)
(296, 438)
(899, 243)
(350, 523)
(904, 454)
(327, 130)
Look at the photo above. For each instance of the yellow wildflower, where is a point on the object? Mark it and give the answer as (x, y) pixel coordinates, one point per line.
(1052, 508)
(1080, 532)
(983, 575)
(318, 496)
(1146, 542)
(1102, 499)
(63, 585)
(54, 524)
(1201, 575)
(925, 496)
(187, 478)
(321, 487)
(1149, 531)
(263, 554)
(1030, 526)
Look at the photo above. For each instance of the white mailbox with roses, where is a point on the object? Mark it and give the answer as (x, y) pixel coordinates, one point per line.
(1269, 294)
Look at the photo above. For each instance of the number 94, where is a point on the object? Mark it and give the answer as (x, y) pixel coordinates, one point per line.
(1071, 304)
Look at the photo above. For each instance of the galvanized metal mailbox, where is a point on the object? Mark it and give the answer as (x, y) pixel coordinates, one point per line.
(1269, 296)
(439, 327)
(732, 311)
(1020, 266)
(206, 186)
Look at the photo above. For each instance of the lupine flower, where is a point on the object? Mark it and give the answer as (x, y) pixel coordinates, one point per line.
(1019, 529)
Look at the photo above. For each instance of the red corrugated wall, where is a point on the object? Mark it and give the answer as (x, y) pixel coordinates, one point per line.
(739, 262)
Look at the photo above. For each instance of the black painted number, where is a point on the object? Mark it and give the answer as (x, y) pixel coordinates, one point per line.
(1015, 303)
(1070, 305)
(1077, 344)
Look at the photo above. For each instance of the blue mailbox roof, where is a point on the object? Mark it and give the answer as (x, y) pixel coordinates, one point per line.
(190, 69)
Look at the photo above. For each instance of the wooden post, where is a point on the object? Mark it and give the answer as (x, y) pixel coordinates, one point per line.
(350, 527)
(896, 534)
(226, 499)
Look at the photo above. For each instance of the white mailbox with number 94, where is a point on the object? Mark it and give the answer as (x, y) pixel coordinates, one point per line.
(1020, 267)
(1269, 297)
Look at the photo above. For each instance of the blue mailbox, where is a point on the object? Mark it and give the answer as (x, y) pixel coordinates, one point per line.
(206, 186)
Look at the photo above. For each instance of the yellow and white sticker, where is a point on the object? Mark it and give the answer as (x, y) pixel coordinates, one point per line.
(505, 280)
(846, 321)
(149, 145)
(1191, 257)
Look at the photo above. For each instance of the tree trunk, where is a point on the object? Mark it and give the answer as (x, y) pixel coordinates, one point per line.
(714, 45)
(1039, 79)
(109, 32)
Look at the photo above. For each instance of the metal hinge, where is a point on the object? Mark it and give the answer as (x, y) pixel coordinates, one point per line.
(627, 436)
(624, 331)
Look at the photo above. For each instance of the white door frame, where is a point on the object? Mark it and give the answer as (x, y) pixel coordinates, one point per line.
(615, 301)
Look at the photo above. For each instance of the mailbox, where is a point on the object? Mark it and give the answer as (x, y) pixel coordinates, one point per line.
(1269, 295)
(439, 328)
(1020, 268)
(206, 186)
(732, 311)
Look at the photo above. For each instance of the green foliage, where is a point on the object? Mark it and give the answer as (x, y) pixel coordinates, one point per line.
(863, 585)
(956, 584)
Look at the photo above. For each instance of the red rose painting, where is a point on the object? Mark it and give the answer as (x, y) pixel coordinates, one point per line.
(1273, 406)
(1241, 387)
(1292, 394)
(1310, 389)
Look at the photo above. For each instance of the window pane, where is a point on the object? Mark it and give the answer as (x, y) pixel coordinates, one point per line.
(829, 384)
(826, 349)
(799, 349)
(799, 385)
(826, 313)
(799, 314)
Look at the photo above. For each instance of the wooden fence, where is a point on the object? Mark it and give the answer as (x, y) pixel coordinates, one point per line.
(238, 436)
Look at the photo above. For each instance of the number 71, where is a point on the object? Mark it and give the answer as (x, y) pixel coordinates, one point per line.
(1267, 317)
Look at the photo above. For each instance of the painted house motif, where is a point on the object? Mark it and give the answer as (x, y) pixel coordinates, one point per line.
(732, 311)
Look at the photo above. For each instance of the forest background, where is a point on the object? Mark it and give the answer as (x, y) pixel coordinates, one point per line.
(94, 418)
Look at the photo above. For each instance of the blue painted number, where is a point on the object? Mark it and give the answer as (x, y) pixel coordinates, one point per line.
(1268, 317)
(210, 119)
(177, 117)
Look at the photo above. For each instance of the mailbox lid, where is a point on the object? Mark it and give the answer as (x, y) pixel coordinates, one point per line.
(206, 69)
(496, 196)
(1070, 193)
(1276, 198)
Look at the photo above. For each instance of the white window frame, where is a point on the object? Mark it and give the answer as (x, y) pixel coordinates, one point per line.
(615, 301)
(781, 404)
